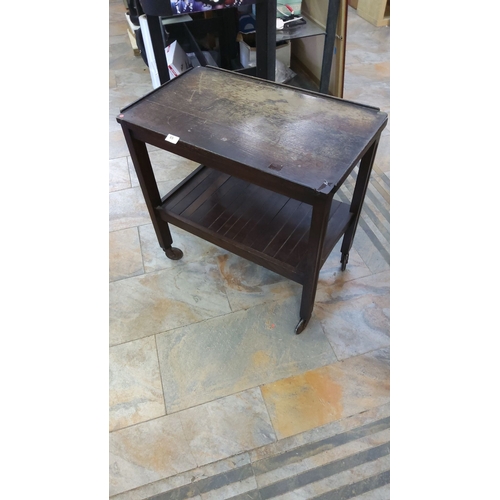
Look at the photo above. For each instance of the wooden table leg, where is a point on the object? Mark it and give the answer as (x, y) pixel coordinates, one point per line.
(317, 233)
(358, 197)
(147, 181)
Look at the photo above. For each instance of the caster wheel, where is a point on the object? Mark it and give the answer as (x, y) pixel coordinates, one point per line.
(343, 260)
(300, 326)
(174, 253)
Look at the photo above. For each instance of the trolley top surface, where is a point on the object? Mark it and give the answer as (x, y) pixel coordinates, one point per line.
(307, 138)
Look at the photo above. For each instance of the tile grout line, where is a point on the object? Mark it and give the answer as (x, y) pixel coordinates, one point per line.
(328, 340)
(189, 324)
(140, 249)
(161, 378)
(269, 415)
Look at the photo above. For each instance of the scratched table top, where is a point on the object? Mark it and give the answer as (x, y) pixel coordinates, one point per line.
(303, 137)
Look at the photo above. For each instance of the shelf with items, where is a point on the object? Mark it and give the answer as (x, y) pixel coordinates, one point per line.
(301, 31)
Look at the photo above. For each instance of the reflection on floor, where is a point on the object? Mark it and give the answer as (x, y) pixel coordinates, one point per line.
(212, 396)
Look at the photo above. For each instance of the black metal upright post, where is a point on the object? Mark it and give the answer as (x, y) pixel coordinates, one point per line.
(331, 28)
(265, 13)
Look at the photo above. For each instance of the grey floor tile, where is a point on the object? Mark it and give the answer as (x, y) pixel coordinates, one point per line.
(119, 177)
(369, 251)
(125, 258)
(191, 482)
(225, 355)
(324, 432)
(194, 248)
(332, 392)
(248, 284)
(331, 271)
(117, 144)
(355, 315)
(227, 426)
(164, 300)
(166, 167)
(127, 208)
(233, 490)
(135, 393)
(148, 452)
(382, 493)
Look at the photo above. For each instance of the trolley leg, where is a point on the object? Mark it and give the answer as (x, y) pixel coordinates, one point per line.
(358, 197)
(317, 233)
(147, 181)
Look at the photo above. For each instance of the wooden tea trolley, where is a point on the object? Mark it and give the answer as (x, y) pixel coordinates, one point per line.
(272, 158)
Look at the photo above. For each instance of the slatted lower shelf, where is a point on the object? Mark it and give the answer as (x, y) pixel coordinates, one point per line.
(253, 222)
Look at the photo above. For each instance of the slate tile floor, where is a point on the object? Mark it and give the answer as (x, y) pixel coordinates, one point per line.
(212, 396)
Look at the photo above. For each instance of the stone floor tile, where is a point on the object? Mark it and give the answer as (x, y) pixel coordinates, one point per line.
(331, 271)
(125, 258)
(116, 12)
(319, 433)
(119, 177)
(117, 144)
(342, 485)
(121, 55)
(382, 493)
(329, 393)
(368, 251)
(355, 315)
(202, 478)
(231, 490)
(118, 28)
(119, 99)
(166, 167)
(248, 284)
(194, 248)
(133, 81)
(164, 300)
(227, 426)
(135, 392)
(300, 462)
(127, 208)
(225, 355)
(119, 38)
(148, 452)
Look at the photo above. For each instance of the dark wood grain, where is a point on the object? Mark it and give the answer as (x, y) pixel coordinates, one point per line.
(289, 134)
(280, 225)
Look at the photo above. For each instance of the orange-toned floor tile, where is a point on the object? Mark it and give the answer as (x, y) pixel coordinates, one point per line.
(317, 397)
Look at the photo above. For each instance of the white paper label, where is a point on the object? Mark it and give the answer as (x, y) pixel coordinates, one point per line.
(172, 138)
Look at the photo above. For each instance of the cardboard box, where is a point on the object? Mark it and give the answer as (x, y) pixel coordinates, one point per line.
(177, 60)
(248, 54)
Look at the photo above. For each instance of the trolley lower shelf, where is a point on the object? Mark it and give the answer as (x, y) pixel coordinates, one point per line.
(260, 225)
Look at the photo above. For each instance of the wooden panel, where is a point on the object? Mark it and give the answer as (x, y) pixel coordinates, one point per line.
(213, 208)
(376, 12)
